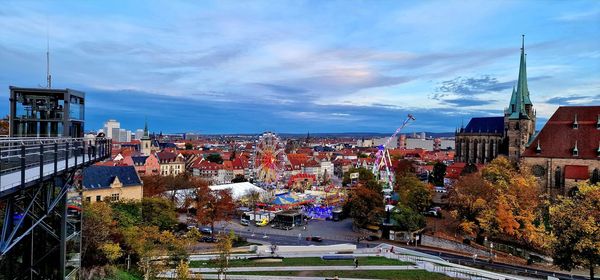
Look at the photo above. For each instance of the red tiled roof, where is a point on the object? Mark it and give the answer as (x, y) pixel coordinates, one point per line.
(166, 156)
(557, 137)
(578, 172)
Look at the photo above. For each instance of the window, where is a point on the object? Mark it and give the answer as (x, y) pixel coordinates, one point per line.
(557, 178)
(575, 152)
(595, 176)
(88, 199)
(114, 197)
(98, 198)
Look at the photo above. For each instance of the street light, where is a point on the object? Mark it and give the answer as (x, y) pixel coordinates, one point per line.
(491, 250)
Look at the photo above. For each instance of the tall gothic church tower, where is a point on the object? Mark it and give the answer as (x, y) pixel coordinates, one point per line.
(519, 117)
(146, 142)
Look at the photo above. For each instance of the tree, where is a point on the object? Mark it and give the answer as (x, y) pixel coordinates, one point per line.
(438, 174)
(469, 168)
(148, 243)
(403, 167)
(253, 197)
(407, 218)
(364, 175)
(213, 206)
(576, 228)
(501, 202)
(239, 178)
(126, 213)
(216, 158)
(365, 206)
(224, 246)
(189, 146)
(111, 251)
(413, 192)
(154, 185)
(96, 227)
(158, 212)
(182, 270)
(4, 126)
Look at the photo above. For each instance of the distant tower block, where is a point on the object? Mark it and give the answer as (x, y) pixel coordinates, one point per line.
(423, 135)
(402, 142)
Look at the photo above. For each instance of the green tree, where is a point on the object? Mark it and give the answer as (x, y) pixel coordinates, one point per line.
(158, 212)
(576, 228)
(189, 146)
(407, 218)
(364, 175)
(216, 158)
(126, 213)
(413, 193)
(438, 174)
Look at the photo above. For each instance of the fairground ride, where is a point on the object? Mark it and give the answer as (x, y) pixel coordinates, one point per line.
(268, 160)
(383, 160)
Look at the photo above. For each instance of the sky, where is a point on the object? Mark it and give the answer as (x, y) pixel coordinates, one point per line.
(302, 66)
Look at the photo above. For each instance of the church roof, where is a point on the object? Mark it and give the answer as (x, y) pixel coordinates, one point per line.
(558, 136)
(485, 125)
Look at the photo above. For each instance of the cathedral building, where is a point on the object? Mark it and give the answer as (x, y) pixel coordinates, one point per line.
(484, 138)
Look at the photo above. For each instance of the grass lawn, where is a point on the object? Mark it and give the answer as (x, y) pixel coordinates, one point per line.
(124, 275)
(312, 261)
(378, 274)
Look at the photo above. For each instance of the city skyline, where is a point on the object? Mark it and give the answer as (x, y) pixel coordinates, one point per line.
(292, 67)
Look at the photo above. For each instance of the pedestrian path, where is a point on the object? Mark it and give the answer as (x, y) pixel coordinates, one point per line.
(261, 277)
(306, 268)
(171, 273)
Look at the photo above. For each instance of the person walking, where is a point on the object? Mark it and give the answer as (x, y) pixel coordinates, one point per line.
(355, 263)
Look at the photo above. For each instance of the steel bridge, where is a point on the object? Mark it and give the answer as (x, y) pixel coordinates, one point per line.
(41, 200)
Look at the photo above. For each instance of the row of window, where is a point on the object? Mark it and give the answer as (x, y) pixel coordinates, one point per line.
(113, 197)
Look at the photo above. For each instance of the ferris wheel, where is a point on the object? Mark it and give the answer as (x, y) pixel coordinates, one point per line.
(268, 159)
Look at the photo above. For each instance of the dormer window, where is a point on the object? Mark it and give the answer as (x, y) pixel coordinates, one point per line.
(575, 150)
(538, 149)
(598, 123)
(575, 123)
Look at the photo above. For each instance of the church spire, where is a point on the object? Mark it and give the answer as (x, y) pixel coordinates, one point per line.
(520, 97)
(146, 133)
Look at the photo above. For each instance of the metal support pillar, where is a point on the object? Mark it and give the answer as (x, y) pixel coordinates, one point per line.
(63, 236)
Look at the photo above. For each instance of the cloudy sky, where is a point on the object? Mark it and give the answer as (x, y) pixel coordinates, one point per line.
(297, 66)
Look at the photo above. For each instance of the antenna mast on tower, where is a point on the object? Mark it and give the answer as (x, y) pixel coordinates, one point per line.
(48, 76)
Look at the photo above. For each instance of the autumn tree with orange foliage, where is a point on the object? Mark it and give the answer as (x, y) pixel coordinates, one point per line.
(500, 201)
(213, 206)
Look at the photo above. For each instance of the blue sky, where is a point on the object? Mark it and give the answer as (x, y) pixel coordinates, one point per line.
(297, 66)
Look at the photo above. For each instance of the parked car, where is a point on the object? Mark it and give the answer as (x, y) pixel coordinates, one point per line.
(314, 239)
(441, 189)
(244, 222)
(372, 238)
(206, 230)
(208, 239)
(262, 223)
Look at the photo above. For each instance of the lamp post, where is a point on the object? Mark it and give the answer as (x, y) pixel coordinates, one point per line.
(491, 250)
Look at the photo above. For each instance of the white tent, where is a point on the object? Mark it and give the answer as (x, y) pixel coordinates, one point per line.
(238, 190)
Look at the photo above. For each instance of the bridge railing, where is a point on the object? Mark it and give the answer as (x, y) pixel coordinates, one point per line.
(20, 154)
